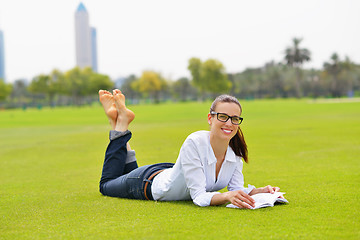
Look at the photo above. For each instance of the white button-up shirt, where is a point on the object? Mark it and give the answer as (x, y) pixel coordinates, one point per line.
(193, 175)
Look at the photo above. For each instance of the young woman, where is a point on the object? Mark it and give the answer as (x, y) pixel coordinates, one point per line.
(208, 160)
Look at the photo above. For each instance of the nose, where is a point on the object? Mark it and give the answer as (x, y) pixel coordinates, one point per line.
(228, 122)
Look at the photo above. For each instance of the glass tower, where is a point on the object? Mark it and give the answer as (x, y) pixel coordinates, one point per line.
(93, 49)
(86, 55)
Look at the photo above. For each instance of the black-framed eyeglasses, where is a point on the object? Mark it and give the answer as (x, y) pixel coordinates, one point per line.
(223, 117)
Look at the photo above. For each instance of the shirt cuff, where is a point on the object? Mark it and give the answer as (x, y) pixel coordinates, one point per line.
(204, 200)
(116, 134)
(249, 189)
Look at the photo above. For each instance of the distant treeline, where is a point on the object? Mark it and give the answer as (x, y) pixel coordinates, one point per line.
(339, 77)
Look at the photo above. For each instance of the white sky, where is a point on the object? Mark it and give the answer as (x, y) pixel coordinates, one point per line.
(161, 35)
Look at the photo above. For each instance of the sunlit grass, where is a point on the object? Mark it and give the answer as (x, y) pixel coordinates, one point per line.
(51, 159)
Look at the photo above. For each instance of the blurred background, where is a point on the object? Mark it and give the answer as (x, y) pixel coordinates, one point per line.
(56, 53)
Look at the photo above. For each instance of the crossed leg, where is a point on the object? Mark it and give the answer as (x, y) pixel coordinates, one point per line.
(124, 115)
(108, 103)
(115, 109)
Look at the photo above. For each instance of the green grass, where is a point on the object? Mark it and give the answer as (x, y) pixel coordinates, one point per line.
(51, 159)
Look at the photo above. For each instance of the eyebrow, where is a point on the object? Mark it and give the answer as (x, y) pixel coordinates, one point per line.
(229, 115)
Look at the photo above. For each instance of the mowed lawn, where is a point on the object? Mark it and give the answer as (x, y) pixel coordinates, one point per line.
(51, 160)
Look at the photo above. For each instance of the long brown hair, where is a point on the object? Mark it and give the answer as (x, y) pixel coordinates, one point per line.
(237, 143)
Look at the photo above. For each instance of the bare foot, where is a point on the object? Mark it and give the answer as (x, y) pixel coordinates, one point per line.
(108, 103)
(125, 115)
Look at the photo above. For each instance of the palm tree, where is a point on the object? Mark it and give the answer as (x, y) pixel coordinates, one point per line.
(341, 80)
(295, 57)
(333, 68)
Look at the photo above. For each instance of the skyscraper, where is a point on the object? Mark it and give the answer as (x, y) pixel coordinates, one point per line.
(93, 49)
(2, 57)
(86, 55)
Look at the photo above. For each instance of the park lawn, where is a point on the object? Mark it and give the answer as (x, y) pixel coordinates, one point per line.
(51, 159)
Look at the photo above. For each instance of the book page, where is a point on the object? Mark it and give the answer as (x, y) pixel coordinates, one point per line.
(265, 200)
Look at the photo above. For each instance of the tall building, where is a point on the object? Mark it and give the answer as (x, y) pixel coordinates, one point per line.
(93, 49)
(86, 55)
(2, 57)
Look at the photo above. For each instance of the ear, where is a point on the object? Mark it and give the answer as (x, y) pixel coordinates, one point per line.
(209, 118)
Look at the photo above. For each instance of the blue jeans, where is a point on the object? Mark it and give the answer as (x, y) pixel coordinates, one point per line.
(126, 180)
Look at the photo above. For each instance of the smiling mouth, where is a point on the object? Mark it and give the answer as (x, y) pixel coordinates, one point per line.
(227, 131)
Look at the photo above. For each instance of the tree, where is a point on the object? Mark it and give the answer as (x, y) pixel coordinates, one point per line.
(79, 83)
(183, 89)
(19, 92)
(341, 75)
(333, 68)
(47, 84)
(247, 83)
(74, 84)
(5, 90)
(128, 89)
(98, 81)
(194, 67)
(316, 85)
(295, 57)
(151, 83)
(274, 80)
(351, 75)
(214, 75)
(209, 76)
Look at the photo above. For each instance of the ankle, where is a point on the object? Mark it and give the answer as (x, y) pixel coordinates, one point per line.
(117, 134)
(121, 127)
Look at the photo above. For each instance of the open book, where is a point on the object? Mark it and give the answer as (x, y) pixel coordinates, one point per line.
(265, 200)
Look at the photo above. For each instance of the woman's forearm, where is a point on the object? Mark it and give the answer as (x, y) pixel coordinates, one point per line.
(219, 199)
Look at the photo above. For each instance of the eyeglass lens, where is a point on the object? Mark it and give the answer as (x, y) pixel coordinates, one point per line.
(223, 117)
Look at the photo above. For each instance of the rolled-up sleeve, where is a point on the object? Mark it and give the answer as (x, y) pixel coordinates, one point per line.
(194, 174)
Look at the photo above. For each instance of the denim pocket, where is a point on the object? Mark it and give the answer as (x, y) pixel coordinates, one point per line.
(135, 187)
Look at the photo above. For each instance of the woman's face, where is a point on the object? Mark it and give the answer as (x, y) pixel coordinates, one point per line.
(224, 130)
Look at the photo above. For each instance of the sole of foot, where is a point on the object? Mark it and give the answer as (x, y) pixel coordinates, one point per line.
(125, 116)
(108, 103)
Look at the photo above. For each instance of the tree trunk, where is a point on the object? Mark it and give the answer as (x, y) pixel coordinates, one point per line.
(298, 83)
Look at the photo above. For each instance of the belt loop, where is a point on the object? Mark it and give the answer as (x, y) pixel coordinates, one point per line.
(149, 181)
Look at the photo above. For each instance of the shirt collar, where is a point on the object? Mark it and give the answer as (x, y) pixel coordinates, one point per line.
(230, 155)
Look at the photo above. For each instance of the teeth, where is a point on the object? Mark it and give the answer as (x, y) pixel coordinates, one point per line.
(227, 131)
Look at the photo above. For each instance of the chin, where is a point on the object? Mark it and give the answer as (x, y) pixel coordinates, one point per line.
(227, 137)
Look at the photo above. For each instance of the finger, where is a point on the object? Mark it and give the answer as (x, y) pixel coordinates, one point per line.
(276, 189)
(237, 202)
(249, 200)
(242, 204)
(245, 205)
(245, 195)
(269, 189)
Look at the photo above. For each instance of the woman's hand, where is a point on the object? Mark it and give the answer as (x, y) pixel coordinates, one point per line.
(267, 189)
(240, 199)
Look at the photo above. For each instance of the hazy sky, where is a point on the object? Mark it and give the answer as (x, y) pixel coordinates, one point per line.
(161, 35)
